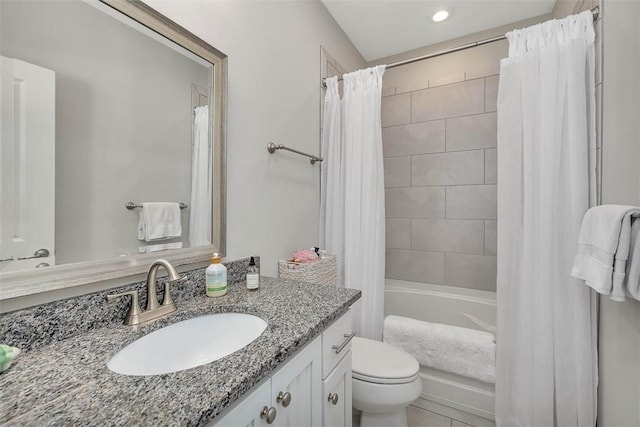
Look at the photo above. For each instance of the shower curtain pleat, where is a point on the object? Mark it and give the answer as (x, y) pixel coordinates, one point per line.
(546, 373)
(201, 202)
(352, 220)
(332, 178)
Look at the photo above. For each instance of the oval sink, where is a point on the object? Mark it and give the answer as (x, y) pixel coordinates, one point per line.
(187, 344)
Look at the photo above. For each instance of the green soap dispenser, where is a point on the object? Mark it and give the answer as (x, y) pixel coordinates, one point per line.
(216, 278)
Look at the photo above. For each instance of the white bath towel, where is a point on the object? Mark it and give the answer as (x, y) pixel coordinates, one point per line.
(632, 279)
(461, 351)
(603, 248)
(159, 220)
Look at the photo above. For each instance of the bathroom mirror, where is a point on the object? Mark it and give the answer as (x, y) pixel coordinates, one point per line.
(103, 102)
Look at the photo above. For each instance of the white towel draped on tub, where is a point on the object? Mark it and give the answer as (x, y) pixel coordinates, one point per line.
(461, 351)
(607, 258)
(159, 220)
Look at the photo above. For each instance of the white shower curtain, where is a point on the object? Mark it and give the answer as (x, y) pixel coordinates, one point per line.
(332, 177)
(546, 341)
(200, 205)
(352, 219)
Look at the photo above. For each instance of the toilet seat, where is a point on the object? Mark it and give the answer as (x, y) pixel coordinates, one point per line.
(380, 363)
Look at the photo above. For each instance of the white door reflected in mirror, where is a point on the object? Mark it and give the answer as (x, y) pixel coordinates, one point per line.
(27, 168)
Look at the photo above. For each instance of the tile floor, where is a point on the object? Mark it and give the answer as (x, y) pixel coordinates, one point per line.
(423, 413)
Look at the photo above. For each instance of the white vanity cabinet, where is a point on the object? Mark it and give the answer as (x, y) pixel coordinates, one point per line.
(336, 373)
(302, 391)
(290, 398)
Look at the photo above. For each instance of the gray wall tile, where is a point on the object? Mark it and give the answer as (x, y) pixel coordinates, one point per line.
(449, 130)
(396, 110)
(416, 202)
(398, 233)
(446, 80)
(472, 202)
(490, 238)
(490, 166)
(485, 60)
(462, 167)
(471, 271)
(472, 132)
(408, 77)
(491, 93)
(453, 100)
(418, 138)
(388, 90)
(448, 235)
(397, 172)
(415, 266)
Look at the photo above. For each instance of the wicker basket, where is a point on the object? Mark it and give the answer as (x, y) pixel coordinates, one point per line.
(324, 271)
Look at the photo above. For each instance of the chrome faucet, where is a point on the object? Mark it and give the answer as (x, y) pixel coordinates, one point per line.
(136, 314)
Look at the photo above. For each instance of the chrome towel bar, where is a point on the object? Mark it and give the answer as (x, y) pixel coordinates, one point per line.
(271, 148)
(131, 206)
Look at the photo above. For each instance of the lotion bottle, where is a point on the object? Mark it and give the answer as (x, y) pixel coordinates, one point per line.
(216, 278)
(253, 275)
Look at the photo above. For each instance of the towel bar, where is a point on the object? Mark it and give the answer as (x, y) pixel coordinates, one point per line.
(131, 206)
(271, 148)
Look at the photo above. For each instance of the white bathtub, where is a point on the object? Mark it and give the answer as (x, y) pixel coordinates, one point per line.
(468, 308)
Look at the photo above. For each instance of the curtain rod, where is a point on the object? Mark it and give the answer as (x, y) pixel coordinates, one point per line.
(595, 11)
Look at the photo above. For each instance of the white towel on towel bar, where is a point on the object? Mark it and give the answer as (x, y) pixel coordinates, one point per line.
(463, 351)
(604, 246)
(159, 220)
(632, 279)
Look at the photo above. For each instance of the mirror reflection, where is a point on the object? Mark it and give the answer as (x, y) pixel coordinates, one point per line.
(96, 114)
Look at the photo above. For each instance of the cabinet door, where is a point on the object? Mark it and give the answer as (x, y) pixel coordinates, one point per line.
(247, 412)
(296, 389)
(336, 398)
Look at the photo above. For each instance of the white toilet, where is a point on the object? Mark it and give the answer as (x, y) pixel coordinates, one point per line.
(385, 381)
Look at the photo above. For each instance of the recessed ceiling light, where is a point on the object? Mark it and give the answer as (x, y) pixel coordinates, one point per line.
(441, 14)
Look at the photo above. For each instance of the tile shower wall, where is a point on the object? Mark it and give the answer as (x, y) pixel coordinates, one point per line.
(439, 139)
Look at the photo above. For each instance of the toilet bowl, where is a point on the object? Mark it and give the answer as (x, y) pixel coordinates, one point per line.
(385, 381)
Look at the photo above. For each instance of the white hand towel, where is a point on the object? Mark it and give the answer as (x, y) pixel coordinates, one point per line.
(620, 259)
(632, 279)
(159, 220)
(603, 248)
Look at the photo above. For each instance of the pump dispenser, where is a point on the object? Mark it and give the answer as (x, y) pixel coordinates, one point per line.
(253, 275)
(216, 278)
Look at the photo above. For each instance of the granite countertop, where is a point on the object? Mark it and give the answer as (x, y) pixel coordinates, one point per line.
(66, 382)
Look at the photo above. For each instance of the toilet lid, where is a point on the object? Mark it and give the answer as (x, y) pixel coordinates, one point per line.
(377, 362)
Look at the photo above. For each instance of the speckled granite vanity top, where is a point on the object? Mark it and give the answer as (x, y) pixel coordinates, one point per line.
(64, 380)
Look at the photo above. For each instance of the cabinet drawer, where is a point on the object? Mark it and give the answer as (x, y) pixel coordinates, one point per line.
(336, 342)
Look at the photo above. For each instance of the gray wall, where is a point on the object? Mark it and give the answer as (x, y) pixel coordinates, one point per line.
(619, 342)
(274, 95)
(439, 136)
(123, 120)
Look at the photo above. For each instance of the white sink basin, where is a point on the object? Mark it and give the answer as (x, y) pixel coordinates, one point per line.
(187, 344)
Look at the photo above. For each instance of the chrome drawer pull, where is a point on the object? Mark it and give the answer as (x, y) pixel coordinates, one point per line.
(284, 399)
(333, 398)
(268, 414)
(339, 348)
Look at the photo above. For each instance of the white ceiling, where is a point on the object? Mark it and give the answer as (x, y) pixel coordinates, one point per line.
(381, 28)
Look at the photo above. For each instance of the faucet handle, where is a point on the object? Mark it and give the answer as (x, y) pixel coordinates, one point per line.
(167, 300)
(133, 316)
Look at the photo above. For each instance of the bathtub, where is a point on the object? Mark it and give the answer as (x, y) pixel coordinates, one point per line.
(468, 308)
